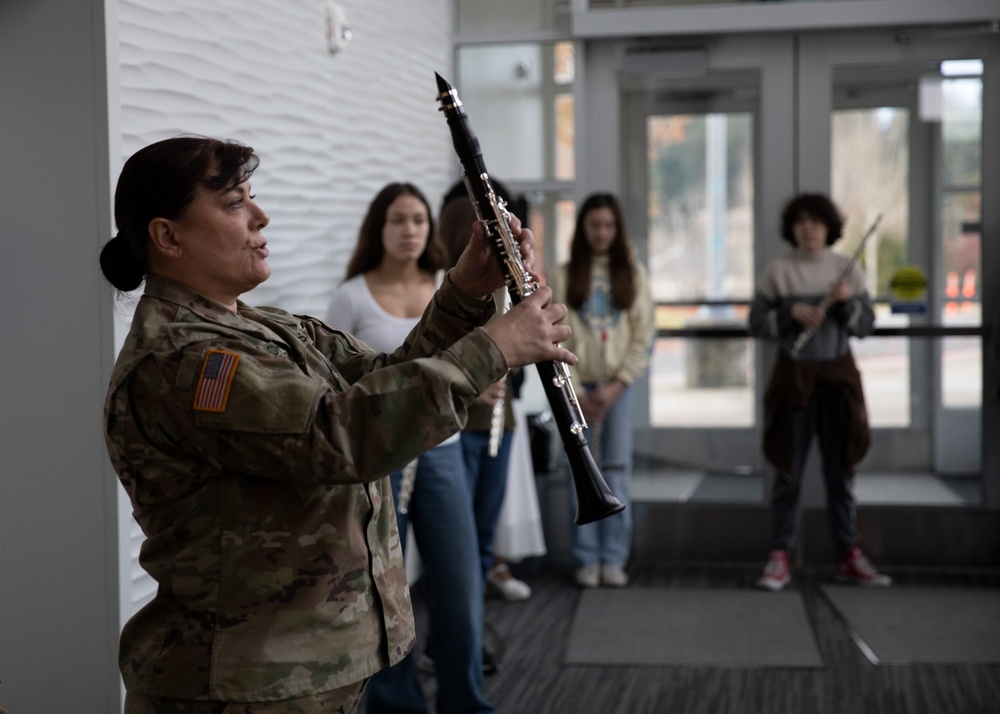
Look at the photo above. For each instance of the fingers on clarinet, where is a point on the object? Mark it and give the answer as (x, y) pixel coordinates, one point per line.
(544, 293)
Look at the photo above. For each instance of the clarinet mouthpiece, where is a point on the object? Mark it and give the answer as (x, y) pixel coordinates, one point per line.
(447, 95)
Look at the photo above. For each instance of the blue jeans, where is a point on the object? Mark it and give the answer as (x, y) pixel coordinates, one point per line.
(487, 477)
(445, 531)
(609, 540)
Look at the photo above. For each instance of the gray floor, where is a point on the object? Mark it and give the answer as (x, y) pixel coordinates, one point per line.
(681, 485)
(531, 639)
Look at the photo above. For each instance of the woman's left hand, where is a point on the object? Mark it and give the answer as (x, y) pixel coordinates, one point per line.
(478, 271)
(600, 400)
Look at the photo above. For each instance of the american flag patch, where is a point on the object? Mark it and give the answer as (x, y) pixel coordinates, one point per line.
(216, 377)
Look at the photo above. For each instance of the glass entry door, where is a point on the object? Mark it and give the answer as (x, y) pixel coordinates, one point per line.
(714, 141)
(701, 129)
(900, 122)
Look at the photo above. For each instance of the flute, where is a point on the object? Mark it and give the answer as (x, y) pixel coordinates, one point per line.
(497, 415)
(496, 422)
(406, 484)
(803, 339)
(594, 499)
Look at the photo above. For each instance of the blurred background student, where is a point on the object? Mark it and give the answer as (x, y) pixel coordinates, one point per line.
(392, 275)
(489, 474)
(815, 387)
(611, 313)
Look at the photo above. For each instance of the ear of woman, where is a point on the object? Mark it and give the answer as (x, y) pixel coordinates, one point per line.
(164, 242)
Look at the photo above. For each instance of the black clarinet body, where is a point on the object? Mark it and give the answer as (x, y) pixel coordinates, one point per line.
(595, 500)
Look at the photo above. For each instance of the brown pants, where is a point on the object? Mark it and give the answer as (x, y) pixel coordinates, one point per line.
(336, 701)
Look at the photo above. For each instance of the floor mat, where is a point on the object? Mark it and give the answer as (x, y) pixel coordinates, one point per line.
(908, 624)
(691, 627)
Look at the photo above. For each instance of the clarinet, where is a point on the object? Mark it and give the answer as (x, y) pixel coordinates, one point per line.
(594, 499)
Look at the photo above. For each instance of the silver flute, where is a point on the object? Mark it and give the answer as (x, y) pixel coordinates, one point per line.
(502, 297)
(496, 421)
(406, 486)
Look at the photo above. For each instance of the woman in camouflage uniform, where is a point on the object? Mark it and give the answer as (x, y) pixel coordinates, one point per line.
(254, 446)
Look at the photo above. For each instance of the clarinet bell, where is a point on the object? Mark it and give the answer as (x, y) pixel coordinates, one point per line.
(593, 497)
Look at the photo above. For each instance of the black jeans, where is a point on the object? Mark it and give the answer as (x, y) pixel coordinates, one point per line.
(820, 417)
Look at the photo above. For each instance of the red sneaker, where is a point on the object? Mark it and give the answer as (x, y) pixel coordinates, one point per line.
(856, 568)
(776, 573)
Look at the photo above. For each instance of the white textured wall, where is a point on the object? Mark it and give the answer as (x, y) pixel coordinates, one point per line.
(330, 129)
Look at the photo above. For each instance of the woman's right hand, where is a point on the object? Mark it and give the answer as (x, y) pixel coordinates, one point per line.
(530, 331)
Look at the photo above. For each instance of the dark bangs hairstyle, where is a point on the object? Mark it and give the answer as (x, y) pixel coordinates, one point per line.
(161, 181)
(620, 255)
(369, 251)
(817, 206)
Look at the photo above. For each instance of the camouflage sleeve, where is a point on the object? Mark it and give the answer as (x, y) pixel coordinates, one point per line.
(449, 316)
(273, 419)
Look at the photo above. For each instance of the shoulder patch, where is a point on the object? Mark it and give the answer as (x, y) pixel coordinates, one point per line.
(217, 372)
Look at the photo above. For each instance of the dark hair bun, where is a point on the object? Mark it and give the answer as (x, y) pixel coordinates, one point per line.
(119, 264)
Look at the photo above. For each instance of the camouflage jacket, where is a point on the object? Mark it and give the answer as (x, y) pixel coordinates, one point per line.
(254, 447)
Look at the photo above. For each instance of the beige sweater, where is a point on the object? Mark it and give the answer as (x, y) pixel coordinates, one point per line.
(629, 334)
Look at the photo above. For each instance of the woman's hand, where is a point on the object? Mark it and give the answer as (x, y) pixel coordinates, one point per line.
(596, 403)
(530, 331)
(477, 271)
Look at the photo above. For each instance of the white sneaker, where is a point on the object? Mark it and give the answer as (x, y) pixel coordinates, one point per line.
(614, 576)
(510, 588)
(589, 576)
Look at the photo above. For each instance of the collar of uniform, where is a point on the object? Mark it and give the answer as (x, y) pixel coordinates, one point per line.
(270, 314)
(181, 295)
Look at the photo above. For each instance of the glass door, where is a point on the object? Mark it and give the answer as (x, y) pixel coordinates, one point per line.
(904, 119)
(714, 141)
(701, 130)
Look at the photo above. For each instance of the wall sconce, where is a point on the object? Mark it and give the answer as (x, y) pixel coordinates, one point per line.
(338, 32)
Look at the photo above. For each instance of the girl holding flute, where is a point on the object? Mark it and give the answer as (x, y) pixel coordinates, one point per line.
(815, 387)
